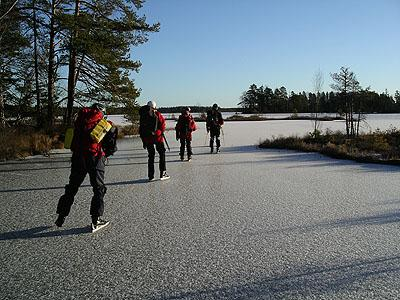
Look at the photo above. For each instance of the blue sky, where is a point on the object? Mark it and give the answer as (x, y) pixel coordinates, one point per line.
(213, 50)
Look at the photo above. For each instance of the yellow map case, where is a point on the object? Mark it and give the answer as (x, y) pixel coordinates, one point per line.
(100, 130)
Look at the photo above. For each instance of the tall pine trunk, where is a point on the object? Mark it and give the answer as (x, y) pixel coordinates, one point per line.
(39, 119)
(72, 68)
(353, 129)
(347, 117)
(51, 71)
(2, 116)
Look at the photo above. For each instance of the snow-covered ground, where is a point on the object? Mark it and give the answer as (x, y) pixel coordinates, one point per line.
(243, 224)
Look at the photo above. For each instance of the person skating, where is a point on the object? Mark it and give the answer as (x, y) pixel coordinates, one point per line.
(88, 157)
(151, 129)
(214, 122)
(184, 128)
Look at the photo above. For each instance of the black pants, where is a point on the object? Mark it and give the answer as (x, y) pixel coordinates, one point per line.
(214, 134)
(188, 143)
(152, 153)
(80, 167)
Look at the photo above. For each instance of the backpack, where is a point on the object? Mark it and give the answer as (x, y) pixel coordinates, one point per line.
(184, 129)
(214, 119)
(211, 120)
(110, 141)
(146, 123)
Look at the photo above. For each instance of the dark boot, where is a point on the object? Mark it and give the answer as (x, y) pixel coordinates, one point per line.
(60, 220)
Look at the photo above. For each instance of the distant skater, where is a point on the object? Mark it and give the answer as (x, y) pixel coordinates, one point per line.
(214, 123)
(151, 129)
(184, 128)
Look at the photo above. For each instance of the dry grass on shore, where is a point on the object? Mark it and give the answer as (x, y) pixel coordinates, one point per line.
(127, 130)
(375, 147)
(23, 141)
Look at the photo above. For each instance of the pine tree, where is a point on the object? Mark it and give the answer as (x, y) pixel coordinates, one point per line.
(101, 35)
(12, 42)
(346, 84)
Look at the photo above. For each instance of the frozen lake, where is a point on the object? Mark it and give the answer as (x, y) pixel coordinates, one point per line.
(246, 223)
(251, 132)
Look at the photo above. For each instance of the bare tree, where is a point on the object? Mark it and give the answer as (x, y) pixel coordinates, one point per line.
(355, 107)
(318, 82)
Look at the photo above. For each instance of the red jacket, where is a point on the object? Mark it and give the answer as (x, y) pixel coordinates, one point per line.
(151, 128)
(185, 126)
(82, 142)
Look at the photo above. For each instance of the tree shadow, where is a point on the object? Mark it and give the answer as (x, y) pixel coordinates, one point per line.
(303, 281)
(111, 163)
(230, 150)
(125, 164)
(388, 202)
(128, 156)
(314, 159)
(66, 159)
(128, 182)
(379, 219)
(241, 149)
(34, 169)
(36, 189)
(40, 232)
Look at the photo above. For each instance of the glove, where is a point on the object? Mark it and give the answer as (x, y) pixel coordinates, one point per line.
(144, 146)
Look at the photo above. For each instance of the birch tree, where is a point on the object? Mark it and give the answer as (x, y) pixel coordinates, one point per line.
(318, 82)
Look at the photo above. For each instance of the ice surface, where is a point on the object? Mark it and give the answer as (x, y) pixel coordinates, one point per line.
(242, 224)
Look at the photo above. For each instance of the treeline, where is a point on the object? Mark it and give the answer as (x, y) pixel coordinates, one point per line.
(265, 100)
(196, 109)
(57, 55)
(348, 98)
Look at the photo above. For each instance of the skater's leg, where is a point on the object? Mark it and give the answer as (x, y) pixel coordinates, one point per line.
(150, 165)
(189, 148)
(78, 174)
(96, 173)
(161, 151)
(182, 148)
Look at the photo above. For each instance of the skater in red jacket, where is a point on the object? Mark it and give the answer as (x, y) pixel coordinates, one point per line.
(184, 128)
(151, 129)
(87, 157)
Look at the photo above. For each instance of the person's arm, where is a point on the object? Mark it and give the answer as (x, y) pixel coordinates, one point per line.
(161, 125)
(141, 126)
(208, 122)
(178, 128)
(193, 125)
(220, 119)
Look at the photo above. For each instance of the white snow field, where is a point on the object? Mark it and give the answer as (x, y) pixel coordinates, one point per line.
(242, 224)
